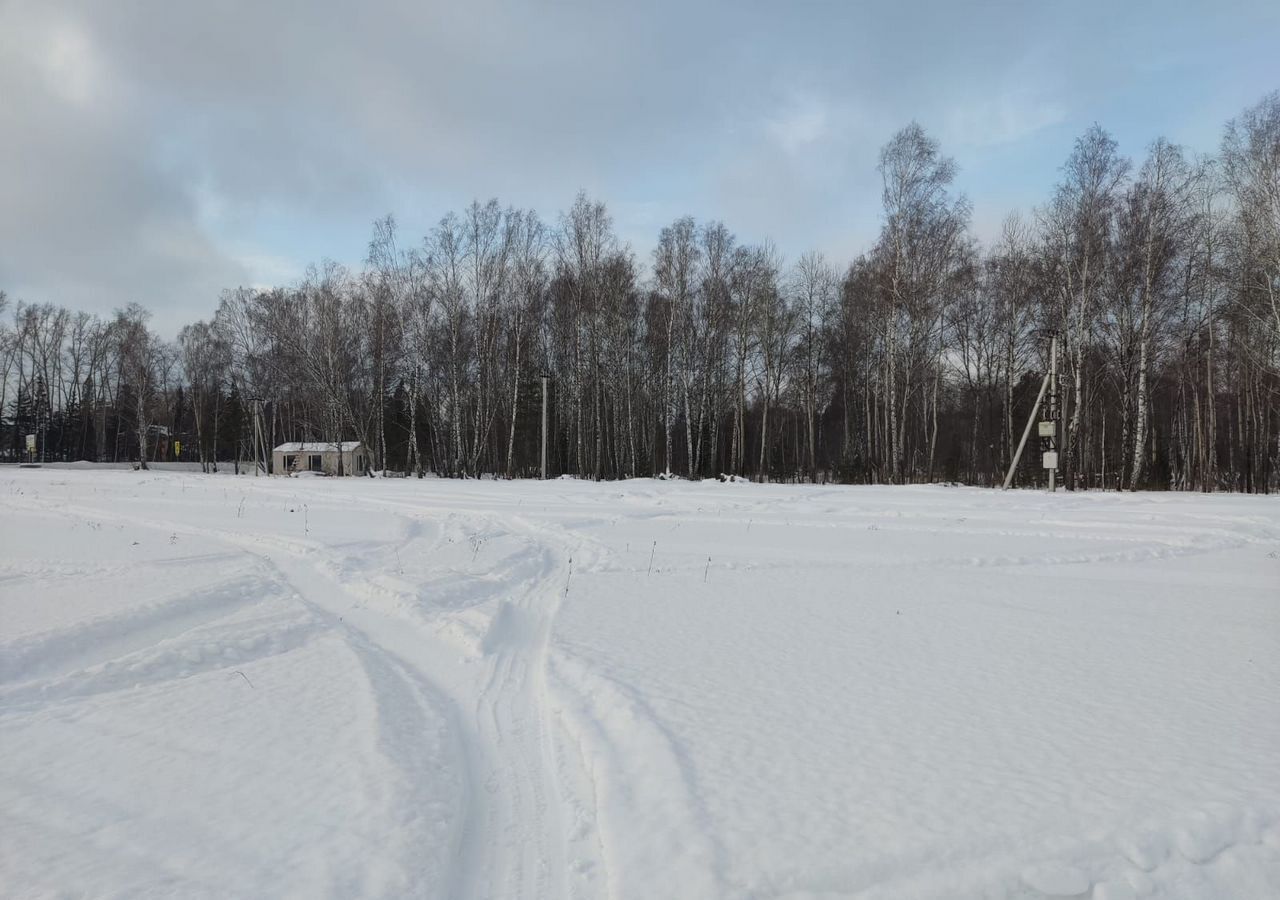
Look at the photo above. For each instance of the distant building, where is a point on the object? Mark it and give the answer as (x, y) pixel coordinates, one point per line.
(320, 456)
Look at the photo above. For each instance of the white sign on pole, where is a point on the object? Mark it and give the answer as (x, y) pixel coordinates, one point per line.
(1051, 459)
(1047, 429)
(31, 443)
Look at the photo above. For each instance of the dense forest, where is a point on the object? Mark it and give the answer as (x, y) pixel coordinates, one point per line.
(918, 361)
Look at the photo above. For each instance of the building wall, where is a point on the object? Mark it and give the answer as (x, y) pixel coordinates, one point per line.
(349, 463)
(354, 462)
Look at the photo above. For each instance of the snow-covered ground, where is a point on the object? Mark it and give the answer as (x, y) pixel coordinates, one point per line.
(240, 687)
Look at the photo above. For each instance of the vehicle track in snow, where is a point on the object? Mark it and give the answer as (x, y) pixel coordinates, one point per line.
(516, 842)
(513, 840)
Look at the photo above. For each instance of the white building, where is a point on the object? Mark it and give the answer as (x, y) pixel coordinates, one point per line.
(320, 456)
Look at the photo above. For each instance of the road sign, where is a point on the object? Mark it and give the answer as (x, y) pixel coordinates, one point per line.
(31, 443)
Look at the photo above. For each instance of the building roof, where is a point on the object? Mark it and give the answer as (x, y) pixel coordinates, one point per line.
(317, 446)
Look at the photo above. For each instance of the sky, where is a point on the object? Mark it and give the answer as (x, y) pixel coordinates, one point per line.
(163, 151)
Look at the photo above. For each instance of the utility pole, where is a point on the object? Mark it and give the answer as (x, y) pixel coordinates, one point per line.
(257, 435)
(545, 378)
(1048, 429)
(1053, 413)
(260, 438)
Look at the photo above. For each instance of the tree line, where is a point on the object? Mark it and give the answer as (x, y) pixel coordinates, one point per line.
(918, 361)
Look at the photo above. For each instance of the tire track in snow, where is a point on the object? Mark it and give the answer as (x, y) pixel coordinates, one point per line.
(513, 840)
(98, 640)
(547, 799)
(516, 841)
(399, 691)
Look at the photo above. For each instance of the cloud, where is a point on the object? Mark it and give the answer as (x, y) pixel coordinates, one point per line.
(160, 152)
(67, 58)
(1008, 117)
(87, 221)
(802, 121)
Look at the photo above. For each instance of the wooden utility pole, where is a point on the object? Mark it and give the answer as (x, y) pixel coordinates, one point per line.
(1048, 430)
(545, 377)
(260, 458)
(1053, 414)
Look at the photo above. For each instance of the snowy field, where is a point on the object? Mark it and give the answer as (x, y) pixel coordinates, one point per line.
(238, 687)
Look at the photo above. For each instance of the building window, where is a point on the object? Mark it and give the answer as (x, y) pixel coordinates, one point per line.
(359, 463)
(313, 463)
(290, 463)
